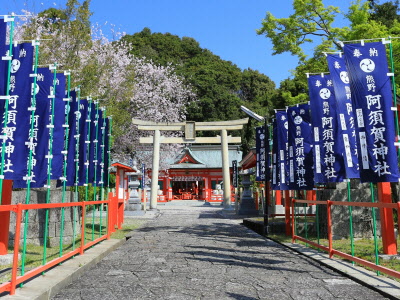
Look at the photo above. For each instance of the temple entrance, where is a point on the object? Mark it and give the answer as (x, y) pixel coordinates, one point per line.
(187, 190)
(189, 128)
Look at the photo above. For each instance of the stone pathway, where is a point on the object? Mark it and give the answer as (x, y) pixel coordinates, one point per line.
(193, 253)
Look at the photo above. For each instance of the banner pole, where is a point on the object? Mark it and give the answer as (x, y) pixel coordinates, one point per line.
(371, 185)
(101, 182)
(95, 142)
(305, 222)
(109, 211)
(64, 179)
(396, 116)
(76, 192)
(267, 190)
(88, 142)
(386, 215)
(49, 162)
(317, 219)
(31, 137)
(350, 219)
(7, 99)
(109, 154)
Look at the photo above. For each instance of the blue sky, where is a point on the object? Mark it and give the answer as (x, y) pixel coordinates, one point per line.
(225, 27)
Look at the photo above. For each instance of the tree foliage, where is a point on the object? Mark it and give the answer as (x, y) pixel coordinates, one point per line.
(220, 86)
(386, 13)
(131, 86)
(312, 22)
(310, 19)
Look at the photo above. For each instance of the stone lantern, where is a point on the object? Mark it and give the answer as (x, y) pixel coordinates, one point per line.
(134, 202)
(247, 205)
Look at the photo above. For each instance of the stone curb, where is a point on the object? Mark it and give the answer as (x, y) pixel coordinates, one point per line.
(53, 281)
(386, 286)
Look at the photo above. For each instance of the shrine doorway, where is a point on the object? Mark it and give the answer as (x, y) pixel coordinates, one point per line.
(187, 190)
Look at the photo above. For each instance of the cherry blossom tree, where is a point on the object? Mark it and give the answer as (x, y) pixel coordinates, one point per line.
(130, 86)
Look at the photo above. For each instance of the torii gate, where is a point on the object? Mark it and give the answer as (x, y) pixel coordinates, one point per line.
(190, 128)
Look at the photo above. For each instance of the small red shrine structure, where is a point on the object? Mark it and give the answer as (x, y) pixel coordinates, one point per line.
(196, 174)
(121, 193)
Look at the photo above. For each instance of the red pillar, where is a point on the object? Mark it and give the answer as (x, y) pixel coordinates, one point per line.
(311, 195)
(288, 230)
(387, 223)
(115, 213)
(278, 197)
(5, 216)
(117, 179)
(110, 214)
(121, 207)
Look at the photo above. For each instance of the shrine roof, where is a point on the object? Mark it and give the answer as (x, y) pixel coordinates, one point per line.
(249, 161)
(120, 165)
(204, 157)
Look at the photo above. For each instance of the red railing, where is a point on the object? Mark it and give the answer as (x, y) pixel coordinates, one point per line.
(330, 249)
(18, 209)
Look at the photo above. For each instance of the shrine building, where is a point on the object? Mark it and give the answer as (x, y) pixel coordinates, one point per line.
(196, 174)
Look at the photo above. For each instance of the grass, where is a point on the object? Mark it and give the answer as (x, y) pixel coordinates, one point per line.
(129, 225)
(363, 248)
(34, 253)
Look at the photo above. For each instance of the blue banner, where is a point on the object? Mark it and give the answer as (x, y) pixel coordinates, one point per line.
(83, 145)
(3, 63)
(106, 151)
(274, 170)
(372, 98)
(234, 173)
(73, 119)
(98, 158)
(301, 175)
(282, 150)
(92, 141)
(143, 181)
(261, 154)
(345, 113)
(100, 148)
(18, 115)
(3, 32)
(3, 36)
(328, 148)
(40, 143)
(58, 131)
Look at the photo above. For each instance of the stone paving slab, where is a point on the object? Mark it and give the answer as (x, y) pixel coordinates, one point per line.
(193, 253)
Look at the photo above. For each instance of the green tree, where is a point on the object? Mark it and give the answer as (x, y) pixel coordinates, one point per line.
(312, 22)
(221, 87)
(69, 32)
(385, 13)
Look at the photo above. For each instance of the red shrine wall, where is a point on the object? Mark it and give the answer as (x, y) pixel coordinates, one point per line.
(191, 184)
